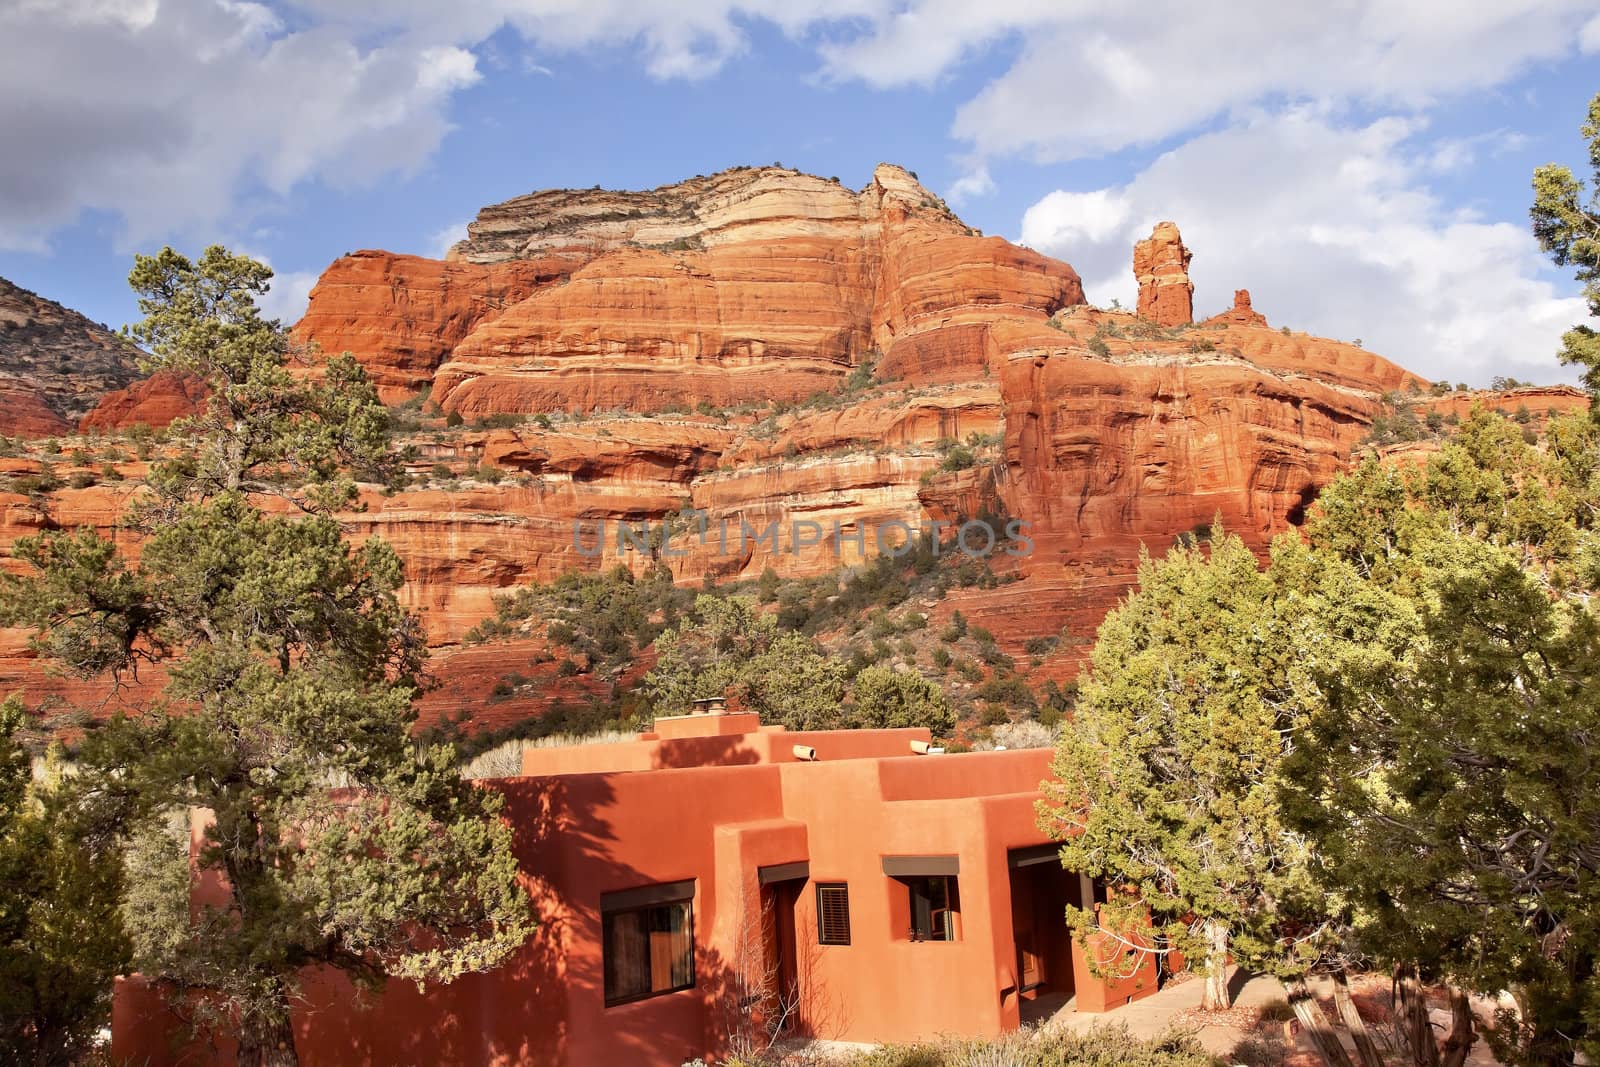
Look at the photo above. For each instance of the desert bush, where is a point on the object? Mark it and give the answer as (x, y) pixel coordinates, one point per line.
(1024, 734)
(1103, 1046)
(1040, 646)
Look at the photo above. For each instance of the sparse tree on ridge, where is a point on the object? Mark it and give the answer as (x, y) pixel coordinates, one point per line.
(1568, 228)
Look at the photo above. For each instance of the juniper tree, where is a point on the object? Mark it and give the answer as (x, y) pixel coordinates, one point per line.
(1166, 777)
(885, 698)
(730, 645)
(291, 675)
(60, 943)
(1450, 776)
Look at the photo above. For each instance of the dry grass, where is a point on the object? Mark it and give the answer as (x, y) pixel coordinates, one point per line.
(505, 760)
(1024, 734)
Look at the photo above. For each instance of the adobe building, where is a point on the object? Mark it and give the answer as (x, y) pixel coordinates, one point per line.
(716, 879)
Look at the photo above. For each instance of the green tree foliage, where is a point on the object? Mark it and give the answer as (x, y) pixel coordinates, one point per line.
(291, 675)
(60, 943)
(276, 410)
(884, 698)
(731, 646)
(1566, 220)
(1449, 777)
(1168, 772)
(608, 617)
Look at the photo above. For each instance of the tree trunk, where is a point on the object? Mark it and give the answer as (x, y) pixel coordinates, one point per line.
(1217, 997)
(1366, 1048)
(268, 1042)
(1462, 1035)
(1318, 1029)
(1411, 1018)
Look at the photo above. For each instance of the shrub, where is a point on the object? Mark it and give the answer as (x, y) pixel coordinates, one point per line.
(941, 657)
(454, 419)
(1040, 646)
(1008, 690)
(993, 715)
(955, 630)
(1101, 1046)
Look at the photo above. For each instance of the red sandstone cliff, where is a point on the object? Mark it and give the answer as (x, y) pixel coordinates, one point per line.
(754, 288)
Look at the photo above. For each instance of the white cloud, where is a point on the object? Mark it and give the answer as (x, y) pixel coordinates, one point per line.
(1334, 230)
(440, 240)
(1069, 220)
(1589, 36)
(970, 186)
(1094, 77)
(288, 296)
(168, 114)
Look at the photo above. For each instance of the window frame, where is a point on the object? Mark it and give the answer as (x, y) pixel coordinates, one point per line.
(950, 894)
(641, 901)
(844, 889)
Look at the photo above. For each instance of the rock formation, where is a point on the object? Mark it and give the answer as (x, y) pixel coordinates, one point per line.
(1161, 266)
(54, 364)
(618, 313)
(403, 315)
(752, 285)
(1241, 312)
(154, 402)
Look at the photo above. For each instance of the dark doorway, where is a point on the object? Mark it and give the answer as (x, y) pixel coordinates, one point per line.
(781, 1002)
(1040, 893)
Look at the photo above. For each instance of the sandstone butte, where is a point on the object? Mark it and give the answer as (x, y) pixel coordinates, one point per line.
(616, 313)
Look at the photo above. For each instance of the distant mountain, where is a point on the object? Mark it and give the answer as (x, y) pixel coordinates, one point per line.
(55, 364)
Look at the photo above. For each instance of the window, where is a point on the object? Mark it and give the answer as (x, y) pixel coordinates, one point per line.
(934, 907)
(647, 941)
(833, 913)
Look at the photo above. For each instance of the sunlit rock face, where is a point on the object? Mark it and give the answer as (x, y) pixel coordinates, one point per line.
(670, 334)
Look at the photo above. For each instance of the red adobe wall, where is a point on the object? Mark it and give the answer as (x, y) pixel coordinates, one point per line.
(715, 746)
(580, 835)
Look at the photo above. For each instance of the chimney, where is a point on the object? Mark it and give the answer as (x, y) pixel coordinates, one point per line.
(710, 706)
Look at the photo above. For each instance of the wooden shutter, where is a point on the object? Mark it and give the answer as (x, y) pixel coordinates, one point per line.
(833, 914)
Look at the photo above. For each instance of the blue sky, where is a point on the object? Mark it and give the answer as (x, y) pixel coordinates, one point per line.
(1364, 173)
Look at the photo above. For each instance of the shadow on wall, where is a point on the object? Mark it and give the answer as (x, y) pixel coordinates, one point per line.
(517, 1014)
(520, 1012)
(728, 751)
